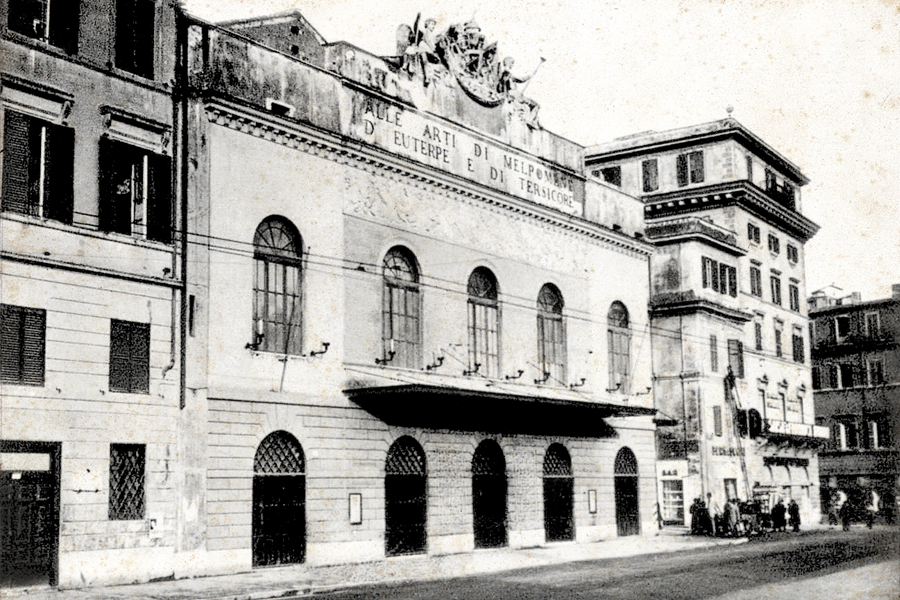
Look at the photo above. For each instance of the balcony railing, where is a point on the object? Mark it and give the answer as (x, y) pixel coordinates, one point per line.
(690, 225)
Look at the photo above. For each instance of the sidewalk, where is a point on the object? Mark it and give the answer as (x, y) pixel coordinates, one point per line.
(304, 580)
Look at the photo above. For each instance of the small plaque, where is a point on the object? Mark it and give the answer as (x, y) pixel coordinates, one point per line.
(355, 509)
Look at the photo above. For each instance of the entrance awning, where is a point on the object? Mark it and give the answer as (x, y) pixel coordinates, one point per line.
(489, 406)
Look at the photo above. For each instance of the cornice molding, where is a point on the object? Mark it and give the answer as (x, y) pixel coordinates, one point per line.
(377, 162)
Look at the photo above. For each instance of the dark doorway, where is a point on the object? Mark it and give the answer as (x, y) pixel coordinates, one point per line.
(489, 495)
(279, 501)
(405, 504)
(559, 485)
(628, 520)
(29, 513)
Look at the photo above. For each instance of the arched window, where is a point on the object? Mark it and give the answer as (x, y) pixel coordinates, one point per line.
(625, 471)
(277, 287)
(279, 501)
(551, 334)
(401, 333)
(489, 495)
(405, 505)
(619, 348)
(559, 494)
(484, 323)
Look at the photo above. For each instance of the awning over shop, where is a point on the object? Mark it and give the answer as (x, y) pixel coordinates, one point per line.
(491, 410)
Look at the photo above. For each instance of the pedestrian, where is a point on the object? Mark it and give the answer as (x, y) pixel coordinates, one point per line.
(713, 513)
(696, 521)
(732, 518)
(845, 513)
(794, 511)
(832, 509)
(888, 506)
(778, 512)
(659, 517)
(871, 508)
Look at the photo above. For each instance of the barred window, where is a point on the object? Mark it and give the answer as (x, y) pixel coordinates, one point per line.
(22, 340)
(277, 287)
(129, 357)
(401, 322)
(619, 339)
(551, 332)
(484, 323)
(126, 482)
(38, 159)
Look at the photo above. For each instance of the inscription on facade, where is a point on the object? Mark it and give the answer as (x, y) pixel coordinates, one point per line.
(727, 451)
(455, 151)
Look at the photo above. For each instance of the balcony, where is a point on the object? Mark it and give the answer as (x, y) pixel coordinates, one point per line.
(689, 228)
(783, 194)
(794, 431)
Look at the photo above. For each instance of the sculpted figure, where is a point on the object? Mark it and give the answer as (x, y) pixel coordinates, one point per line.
(417, 47)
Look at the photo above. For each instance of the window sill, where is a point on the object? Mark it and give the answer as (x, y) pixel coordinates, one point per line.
(86, 231)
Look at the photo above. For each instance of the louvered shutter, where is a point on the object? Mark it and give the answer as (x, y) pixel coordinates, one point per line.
(159, 201)
(11, 344)
(22, 345)
(64, 17)
(58, 176)
(140, 357)
(119, 359)
(33, 336)
(16, 162)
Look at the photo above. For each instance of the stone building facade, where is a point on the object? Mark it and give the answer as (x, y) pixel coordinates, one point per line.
(90, 371)
(856, 378)
(729, 333)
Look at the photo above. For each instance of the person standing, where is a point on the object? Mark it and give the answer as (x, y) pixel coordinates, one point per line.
(845, 512)
(794, 511)
(871, 508)
(778, 513)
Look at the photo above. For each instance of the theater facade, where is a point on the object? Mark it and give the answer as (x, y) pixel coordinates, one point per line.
(413, 324)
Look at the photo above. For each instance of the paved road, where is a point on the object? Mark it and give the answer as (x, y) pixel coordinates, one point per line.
(817, 564)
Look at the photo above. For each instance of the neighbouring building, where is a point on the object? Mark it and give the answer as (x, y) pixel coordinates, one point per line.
(90, 295)
(729, 333)
(415, 325)
(856, 378)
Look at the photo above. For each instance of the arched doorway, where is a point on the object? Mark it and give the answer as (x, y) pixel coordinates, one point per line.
(628, 519)
(489, 495)
(279, 501)
(405, 498)
(559, 485)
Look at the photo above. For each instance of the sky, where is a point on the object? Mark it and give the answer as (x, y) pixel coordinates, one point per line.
(819, 80)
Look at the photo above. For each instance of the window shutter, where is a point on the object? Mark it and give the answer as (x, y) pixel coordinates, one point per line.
(64, 17)
(681, 168)
(107, 207)
(697, 174)
(22, 341)
(706, 269)
(115, 170)
(16, 162)
(143, 26)
(119, 359)
(159, 209)
(140, 357)
(732, 281)
(58, 182)
(11, 344)
(33, 335)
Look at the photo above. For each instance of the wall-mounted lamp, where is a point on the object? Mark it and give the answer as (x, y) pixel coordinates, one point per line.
(580, 383)
(437, 363)
(468, 372)
(325, 346)
(519, 373)
(387, 359)
(257, 336)
(644, 393)
(543, 379)
(614, 389)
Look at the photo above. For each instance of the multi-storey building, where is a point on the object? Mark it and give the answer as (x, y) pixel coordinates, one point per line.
(729, 333)
(89, 355)
(856, 378)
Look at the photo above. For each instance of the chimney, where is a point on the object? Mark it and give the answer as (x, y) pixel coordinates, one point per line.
(895, 291)
(855, 298)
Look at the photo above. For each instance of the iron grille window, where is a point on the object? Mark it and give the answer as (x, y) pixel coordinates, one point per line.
(756, 282)
(135, 24)
(38, 159)
(551, 332)
(129, 357)
(776, 290)
(54, 22)
(713, 353)
(135, 191)
(277, 288)
(401, 323)
(619, 339)
(736, 358)
(484, 323)
(689, 168)
(794, 297)
(126, 482)
(650, 175)
(23, 332)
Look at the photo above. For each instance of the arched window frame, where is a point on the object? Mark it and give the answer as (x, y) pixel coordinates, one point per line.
(619, 340)
(551, 334)
(484, 322)
(277, 287)
(401, 309)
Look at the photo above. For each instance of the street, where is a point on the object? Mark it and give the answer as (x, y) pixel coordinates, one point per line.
(859, 563)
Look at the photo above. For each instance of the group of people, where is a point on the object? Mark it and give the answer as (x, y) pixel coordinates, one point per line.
(862, 505)
(737, 519)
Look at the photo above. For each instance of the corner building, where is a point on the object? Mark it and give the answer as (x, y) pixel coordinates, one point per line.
(90, 367)
(732, 373)
(415, 325)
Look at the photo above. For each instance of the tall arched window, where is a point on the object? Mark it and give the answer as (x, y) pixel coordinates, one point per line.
(401, 333)
(619, 348)
(277, 301)
(484, 323)
(551, 334)
(625, 470)
(279, 501)
(559, 494)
